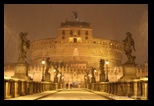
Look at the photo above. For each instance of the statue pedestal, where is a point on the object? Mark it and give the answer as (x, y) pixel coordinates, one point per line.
(47, 77)
(129, 72)
(21, 71)
(102, 77)
(93, 80)
(56, 80)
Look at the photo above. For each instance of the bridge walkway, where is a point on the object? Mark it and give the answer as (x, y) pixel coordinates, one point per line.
(71, 94)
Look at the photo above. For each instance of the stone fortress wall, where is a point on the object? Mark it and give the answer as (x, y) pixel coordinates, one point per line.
(92, 51)
(77, 49)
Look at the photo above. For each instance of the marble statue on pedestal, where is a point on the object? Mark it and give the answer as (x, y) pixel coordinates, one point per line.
(21, 69)
(87, 74)
(60, 79)
(56, 76)
(129, 67)
(48, 65)
(128, 44)
(102, 74)
(24, 45)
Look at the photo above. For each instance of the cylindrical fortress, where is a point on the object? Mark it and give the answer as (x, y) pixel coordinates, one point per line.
(76, 48)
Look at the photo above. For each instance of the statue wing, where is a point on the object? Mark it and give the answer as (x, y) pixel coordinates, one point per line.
(75, 14)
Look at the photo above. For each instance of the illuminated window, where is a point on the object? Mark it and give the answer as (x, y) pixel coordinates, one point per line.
(79, 40)
(70, 39)
(75, 40)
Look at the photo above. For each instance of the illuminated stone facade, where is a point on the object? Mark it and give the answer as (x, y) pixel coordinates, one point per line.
(114, 74)
(76, 50)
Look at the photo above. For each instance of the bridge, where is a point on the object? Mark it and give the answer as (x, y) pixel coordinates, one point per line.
(19, 89)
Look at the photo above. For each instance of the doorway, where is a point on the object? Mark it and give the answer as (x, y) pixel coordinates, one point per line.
(75, 84)
(75, 40)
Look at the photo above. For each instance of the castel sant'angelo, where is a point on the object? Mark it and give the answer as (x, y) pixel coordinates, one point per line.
(76, 51)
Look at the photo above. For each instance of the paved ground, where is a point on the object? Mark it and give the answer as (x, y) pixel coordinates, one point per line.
(71, 94)
(111, 96)
(74, 94)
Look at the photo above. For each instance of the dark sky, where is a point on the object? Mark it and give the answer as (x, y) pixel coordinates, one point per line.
(110, 21)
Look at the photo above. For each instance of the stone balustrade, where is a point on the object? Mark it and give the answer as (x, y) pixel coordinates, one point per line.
(136, 89)
(18, 87)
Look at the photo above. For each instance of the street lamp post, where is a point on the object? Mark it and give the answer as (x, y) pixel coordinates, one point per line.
(107, 62)
(43, 76)
(85, 77)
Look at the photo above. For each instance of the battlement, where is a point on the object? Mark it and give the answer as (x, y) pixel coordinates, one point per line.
(75, 24)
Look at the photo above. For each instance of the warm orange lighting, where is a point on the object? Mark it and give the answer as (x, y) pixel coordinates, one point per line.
(43, 62)
(107, 62)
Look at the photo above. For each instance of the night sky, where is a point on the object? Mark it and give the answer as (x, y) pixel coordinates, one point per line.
(41, 21)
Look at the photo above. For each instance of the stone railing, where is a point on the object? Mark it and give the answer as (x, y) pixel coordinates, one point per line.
(136, 89)
(18, 87)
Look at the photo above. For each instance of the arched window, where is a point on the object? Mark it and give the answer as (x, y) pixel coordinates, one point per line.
(75, 40)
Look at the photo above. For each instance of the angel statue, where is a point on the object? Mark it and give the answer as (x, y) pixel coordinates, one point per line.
(24, 45)
(128, 43)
